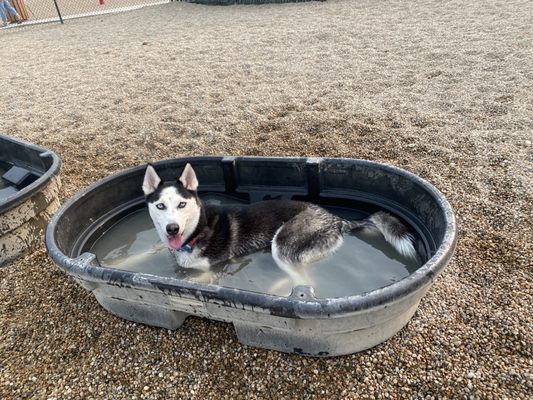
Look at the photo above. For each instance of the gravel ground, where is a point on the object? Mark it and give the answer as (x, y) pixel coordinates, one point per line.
(441, 88)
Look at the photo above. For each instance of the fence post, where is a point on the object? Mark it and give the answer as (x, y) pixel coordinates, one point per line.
(58, 12)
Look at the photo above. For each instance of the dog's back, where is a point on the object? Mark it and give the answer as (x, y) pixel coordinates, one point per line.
(235, 230)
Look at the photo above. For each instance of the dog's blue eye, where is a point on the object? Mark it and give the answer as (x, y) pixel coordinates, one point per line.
(160, 206)
(182, 204)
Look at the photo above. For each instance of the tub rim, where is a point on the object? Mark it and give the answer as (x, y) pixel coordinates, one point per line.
(27, 192)
(86, 268)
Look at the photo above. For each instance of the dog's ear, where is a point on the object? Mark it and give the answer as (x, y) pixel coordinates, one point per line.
(188, 178)
(151, 180)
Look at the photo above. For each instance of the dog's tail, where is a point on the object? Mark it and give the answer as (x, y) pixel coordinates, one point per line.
(390, 227)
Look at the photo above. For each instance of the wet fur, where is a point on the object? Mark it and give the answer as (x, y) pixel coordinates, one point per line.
(298, 233)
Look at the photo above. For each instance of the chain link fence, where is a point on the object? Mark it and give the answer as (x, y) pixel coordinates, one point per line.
(44, 11)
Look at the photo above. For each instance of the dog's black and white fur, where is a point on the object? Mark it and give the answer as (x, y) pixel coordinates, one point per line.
(298, 233)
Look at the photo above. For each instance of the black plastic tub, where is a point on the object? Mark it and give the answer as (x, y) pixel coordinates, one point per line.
(300, 322)
(29, 188)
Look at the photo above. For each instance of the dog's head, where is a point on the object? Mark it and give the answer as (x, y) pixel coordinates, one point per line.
(174, 206)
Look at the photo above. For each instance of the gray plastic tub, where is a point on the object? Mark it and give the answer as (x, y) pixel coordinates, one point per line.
(299, 323)
(29, 189)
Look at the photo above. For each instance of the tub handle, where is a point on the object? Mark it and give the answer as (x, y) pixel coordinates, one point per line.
(303, 292)
(87, 259)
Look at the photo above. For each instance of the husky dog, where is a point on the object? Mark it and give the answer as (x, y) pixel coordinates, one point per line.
(298, 233)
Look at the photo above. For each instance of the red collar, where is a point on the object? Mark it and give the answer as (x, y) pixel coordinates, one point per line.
(189, 246)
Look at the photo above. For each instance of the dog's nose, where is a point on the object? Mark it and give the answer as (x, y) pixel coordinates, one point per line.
(173, 229)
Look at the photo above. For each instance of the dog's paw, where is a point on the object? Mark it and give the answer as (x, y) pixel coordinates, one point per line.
(206, 277)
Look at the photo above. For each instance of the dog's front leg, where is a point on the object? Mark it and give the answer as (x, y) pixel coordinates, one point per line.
(191, 260)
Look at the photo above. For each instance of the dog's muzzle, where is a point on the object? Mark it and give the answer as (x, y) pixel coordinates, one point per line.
(175, 239)
(173, 229)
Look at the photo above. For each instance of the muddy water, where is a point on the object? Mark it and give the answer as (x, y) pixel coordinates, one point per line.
(363, 263)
